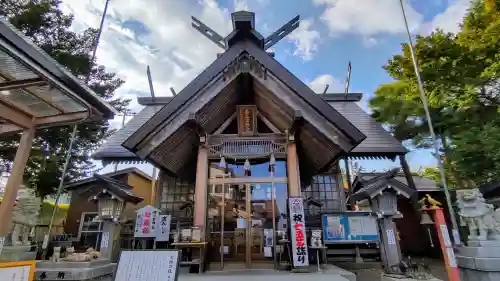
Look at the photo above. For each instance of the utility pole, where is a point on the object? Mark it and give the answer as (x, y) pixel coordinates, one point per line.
(423, 96)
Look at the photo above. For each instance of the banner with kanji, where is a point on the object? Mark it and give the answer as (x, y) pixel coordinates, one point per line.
(298, 232)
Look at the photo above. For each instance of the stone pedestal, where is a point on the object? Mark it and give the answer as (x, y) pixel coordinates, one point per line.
(17, 253)
(81, 271)
(479, 261)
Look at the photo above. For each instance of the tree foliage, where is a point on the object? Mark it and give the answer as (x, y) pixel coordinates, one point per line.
(46, 25)
(461, 77)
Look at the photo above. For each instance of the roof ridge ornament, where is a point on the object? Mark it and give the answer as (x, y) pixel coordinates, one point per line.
(244, 21)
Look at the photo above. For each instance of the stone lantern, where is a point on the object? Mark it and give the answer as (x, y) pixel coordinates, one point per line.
(382, 192)
(111, 201)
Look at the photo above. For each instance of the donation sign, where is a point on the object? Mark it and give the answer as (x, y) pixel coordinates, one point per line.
(146, 222)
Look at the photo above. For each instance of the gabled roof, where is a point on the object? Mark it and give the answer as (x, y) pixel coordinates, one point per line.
(122, 190)
(218, 66)
(369, 187)
(378, 140)
(113, 149)
(95, 177)
(421, 183)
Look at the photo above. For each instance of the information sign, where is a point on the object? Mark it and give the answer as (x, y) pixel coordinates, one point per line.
(17, 271)
(159, 265)
(350, 227)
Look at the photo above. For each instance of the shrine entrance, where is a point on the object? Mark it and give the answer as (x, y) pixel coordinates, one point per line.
(246, 217)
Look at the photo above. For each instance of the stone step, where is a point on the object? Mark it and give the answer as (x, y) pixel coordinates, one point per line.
(483, 264)
(479, 252)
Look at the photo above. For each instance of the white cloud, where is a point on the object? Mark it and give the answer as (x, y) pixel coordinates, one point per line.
(319, 83)
(367, 17)
(241, 5)
(370, 18)
(174, 50)
(450, 19)
(369, 42)
(306, 40)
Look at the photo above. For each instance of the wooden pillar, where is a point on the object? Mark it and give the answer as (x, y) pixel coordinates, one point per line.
(201, 186)
(292, 167)
(15, 180)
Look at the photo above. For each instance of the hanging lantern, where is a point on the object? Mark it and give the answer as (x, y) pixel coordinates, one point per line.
(246, 167)
(272, 163)
(223, 164)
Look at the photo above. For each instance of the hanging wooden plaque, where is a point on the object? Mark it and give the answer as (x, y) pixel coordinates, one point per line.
(247, 119)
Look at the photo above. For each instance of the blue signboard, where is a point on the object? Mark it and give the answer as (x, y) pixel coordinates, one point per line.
(350, 227)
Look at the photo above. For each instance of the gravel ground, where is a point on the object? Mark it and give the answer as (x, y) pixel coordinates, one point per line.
(370, 271)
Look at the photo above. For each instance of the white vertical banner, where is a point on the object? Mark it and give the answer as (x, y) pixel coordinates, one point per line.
(298, 232)
(164, 228)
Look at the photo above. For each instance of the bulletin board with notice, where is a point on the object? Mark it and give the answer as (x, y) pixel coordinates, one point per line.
(350, 227)
(17, 271)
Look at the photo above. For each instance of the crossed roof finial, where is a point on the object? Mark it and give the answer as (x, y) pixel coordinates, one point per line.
(244, 23)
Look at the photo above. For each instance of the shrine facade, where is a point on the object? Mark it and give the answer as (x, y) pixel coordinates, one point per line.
(243, 137)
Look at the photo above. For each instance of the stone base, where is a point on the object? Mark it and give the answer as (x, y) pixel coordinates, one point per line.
(46, 270)
(384, 277)
(17, 253)
(479, 261)
(477, 275)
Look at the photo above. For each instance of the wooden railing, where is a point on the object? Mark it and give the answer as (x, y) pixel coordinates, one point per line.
(238, 147)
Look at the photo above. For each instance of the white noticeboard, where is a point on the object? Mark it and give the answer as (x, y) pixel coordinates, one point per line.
(391, 239)
(298, 231)
(446, 235)
(159, 265)
(17, 271)
(164, 222)
(362, 225)
(2, 242)
(451, 257)
(105, 240)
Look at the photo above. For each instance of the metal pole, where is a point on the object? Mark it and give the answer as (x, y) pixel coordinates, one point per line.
(123, 125)
(72, 140)
(423, 96)
(273, 202)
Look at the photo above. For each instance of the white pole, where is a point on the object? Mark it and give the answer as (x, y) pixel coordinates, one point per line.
(423, 96)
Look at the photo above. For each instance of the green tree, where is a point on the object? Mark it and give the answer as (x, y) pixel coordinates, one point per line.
(461, 79)
(44, 23)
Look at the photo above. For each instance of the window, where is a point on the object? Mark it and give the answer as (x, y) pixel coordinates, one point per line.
(324, 189)
(90, 230)
(176, 195)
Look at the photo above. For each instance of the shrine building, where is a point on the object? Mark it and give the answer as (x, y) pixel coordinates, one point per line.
(244, 136)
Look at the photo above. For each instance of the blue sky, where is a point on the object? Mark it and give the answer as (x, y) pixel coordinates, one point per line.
(158, 33)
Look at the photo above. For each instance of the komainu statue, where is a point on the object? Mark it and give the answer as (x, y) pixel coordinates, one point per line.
(24, 216)
(481, 218)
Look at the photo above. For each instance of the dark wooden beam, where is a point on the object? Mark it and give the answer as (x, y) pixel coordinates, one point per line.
(298, 121)
(24, 83)
(193, 123)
